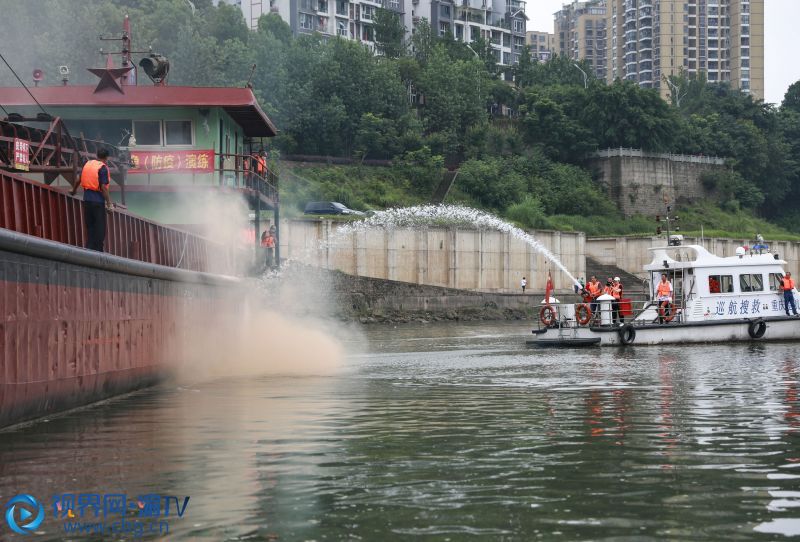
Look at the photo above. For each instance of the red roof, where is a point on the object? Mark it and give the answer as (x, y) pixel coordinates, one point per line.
(239, 103)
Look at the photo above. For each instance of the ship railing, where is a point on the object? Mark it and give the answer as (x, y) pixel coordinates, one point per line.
(243, 171)
(54, 151)
(32, 208)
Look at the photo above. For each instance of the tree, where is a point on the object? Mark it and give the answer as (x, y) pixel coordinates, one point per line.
(389, 33)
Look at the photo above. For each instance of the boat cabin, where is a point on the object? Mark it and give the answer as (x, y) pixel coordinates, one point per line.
(708, 287)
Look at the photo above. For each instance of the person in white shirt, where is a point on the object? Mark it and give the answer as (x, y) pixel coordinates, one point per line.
(523, 283)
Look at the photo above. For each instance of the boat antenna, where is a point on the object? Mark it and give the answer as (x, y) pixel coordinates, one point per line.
(249, 83)
(23, 84)
(4, 110)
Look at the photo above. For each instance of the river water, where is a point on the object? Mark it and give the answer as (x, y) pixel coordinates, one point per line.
(448, 432)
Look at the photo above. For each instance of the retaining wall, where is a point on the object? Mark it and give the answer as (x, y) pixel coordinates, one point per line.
(484, 261)
(639, 182)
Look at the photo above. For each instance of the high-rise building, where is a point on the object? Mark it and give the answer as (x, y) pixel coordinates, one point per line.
(580, 33)
(542, 44)
(499, 22)
(649, 40)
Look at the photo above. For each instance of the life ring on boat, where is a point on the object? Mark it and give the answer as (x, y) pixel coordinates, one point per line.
(666, 311)
(547, 315)
(627, 334)
(757, 328)
(583, 313)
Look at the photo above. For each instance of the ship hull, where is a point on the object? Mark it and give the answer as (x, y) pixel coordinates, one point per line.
(79, 327)
(776, 328)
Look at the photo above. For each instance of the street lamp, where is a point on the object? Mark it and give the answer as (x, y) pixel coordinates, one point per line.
(675, 90)
(585, 77)
(479, 73)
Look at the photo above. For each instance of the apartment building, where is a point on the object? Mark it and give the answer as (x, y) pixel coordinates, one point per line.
(649, 40)
(542, 44)
(500, 22)
(580, 33)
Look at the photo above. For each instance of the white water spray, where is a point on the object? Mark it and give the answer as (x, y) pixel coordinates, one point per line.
(447, 215)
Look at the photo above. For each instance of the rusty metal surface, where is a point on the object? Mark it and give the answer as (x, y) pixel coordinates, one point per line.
(35, 209)
(71, 335)
(54, 151)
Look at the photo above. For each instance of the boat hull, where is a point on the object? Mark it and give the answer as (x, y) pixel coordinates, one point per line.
(776, 329)
(72, 334)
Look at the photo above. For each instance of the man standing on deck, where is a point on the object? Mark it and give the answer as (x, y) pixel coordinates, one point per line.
(94, 179)
(787, 285)
(664, 298)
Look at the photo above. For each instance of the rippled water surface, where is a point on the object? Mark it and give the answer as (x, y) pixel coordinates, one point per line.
(450, 433)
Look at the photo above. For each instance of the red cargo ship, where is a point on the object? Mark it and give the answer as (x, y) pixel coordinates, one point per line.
(78, 326)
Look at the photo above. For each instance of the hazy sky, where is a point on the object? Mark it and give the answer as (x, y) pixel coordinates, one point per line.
(781, 67)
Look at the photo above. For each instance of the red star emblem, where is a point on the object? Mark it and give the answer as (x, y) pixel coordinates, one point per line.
(109, 78)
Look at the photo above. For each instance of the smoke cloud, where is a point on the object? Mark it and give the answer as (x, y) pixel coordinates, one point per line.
(277, 323)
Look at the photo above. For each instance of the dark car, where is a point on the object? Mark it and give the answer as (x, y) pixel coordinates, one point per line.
(329, 208)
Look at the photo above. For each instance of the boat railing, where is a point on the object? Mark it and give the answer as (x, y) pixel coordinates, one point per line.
(35, 209)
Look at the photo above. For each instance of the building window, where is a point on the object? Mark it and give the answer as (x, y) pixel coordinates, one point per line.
(394, 4)
(444, 29)
(366, 12)
(306, 21)
(341, 29)
(444, 10)
(519, 26)
(147, 132)
(178, 132)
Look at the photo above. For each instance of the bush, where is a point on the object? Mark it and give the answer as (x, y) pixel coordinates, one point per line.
(528, 214)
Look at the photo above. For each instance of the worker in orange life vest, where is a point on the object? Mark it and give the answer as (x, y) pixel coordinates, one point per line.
(616, 291)
(268, 244)
(94, 179)
(594, 289)
(787, 285)
(663, 295)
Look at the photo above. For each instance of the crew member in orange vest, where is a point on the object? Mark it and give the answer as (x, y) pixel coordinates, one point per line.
(616, 291)
(787, 285)
(268, 244)
(664, 295)
(94, 179)
(594, 289)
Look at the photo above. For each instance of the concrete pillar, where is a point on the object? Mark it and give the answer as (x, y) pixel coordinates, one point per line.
(507, 263)
(479, 260)
(452, 237)
(360, 239)
(421, 239)
(390, 247)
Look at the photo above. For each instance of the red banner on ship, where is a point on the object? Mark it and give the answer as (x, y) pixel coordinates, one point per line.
(172, 162)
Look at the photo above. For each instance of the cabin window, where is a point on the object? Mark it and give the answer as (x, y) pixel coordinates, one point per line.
(720, 284)
(178, 132)
(751, 283)
(775, 281)
(147, 132)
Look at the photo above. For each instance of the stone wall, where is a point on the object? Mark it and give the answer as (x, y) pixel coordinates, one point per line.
(465, 259)
(631, 254)
(639, 182)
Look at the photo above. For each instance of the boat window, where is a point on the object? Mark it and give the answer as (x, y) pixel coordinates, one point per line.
(751, 283)
(178, 132)
(775, 281)
(147, 132)
(720, 284)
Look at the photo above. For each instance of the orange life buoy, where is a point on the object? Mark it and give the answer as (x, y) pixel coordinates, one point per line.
(547, 315)
(583, 313)
(662, 311)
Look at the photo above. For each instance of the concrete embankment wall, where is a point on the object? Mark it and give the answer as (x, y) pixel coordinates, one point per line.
(464, 259)
(639, 182)
(631, 254)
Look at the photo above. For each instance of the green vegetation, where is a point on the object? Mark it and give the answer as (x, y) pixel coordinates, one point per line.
(436, 101)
